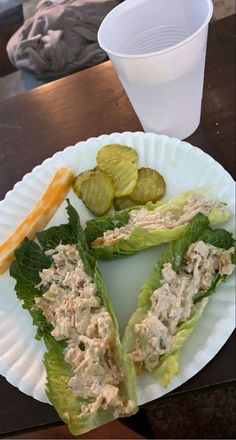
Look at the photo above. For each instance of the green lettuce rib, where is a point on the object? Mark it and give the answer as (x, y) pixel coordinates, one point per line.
(198, 229)
(30, 260)
(142, 238)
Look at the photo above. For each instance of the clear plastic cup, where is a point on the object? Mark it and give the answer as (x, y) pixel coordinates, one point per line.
(158, 49)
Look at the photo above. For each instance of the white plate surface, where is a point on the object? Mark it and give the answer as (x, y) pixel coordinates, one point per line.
(184, 167)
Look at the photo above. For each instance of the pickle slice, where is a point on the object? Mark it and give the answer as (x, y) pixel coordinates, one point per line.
(121, 203)
(80, 179)
(97, 193)
(124, 175)
(109, 154)
(150, 186)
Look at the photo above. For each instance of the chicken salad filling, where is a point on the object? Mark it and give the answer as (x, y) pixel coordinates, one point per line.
(172, 302)
(158, 220)
(72, 305)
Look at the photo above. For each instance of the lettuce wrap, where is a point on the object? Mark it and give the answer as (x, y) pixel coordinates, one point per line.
(129, 231)
(175, 255)
(32, 258)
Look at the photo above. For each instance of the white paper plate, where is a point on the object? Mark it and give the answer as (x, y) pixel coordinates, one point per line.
(184, 167)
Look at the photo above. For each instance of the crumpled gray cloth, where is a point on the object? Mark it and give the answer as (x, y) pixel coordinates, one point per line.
(60, 38)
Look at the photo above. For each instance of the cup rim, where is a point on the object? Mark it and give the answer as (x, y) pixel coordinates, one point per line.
(150, 54)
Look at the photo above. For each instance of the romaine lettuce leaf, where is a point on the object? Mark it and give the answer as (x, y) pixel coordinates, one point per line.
(198, 229)
(169, 362)
(142, 238)
(29, 260)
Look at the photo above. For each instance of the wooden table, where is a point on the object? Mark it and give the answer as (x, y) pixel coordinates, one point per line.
(36, 124)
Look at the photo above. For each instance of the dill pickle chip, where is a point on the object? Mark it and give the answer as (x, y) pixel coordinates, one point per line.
(80, 179)
(124, 175)
(150, 187)
(121, 203)
(109, 154)
(97, 193)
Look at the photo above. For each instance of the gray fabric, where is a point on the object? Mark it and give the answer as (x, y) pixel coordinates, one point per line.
(60, 38)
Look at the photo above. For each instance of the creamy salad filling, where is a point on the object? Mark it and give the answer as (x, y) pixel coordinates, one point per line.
(172, 303)
(156, 219)
(72, 305)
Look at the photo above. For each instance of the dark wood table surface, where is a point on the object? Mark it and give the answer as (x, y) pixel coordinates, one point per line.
(35, 125)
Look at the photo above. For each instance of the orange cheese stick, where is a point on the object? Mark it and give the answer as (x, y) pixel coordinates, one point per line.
(39, 216)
